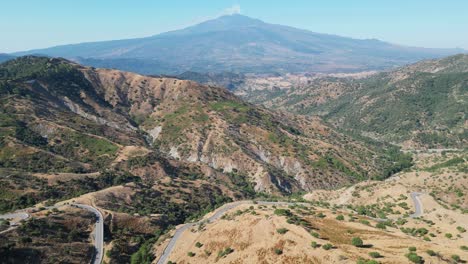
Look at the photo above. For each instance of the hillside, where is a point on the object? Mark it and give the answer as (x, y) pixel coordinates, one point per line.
(241, 44)
(153, 152)
(420, 105)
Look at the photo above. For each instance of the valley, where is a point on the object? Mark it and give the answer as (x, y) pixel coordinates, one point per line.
(232, 140)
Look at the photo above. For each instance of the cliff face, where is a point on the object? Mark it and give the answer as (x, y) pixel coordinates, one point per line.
(92, 115)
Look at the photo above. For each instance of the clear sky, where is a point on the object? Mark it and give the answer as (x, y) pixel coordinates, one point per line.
(28, 24)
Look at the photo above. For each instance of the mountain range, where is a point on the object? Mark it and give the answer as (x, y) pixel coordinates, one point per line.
(240, 44)
(422, 105)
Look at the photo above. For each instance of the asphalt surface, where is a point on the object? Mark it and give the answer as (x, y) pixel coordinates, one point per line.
(18, 216)
(418, 209)
(98, 230)
(98, 233)
(219, 213)
(167, 251)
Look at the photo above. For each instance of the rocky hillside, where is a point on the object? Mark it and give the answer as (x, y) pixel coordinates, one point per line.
(420, 105)
(81, 119)
(154, 152)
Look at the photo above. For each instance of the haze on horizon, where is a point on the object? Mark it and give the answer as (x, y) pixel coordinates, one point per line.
(430, 24)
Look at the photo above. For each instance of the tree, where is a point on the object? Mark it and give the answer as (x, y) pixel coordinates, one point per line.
(25, 240)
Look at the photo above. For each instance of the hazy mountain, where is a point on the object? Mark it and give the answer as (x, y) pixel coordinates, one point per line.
(4, 57)
(424, 104)
(238, 43)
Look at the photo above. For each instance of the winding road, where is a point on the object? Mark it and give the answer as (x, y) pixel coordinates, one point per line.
(99, 227)
(14, 218)
(220, 212)
(98, 235)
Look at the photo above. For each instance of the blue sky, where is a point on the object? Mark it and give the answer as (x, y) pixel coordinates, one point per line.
(28, 24)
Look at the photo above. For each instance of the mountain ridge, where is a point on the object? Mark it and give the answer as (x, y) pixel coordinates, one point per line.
(244, 45)
(422, 105)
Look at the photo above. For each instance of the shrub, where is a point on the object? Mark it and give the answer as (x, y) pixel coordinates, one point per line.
(448, 235)
(464, 248)
(327, 246)
(284, 212)
(340, 217)
(315, 234)
(278, 251)
(225, 252)
(321, 215)
(364, 222)
(282, 231)
(198, 245)
(412, 249)
(431, 252)
(357, 242)
(381, 225)
(375, 254)
(456, 258)
(369, 261)
(191, 254)
(314, 244)
(413, 257)
(461, 229)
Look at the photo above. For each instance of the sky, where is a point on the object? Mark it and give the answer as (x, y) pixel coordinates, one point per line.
(31, 24)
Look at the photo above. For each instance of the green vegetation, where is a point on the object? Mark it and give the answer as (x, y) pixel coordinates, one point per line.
(314, 244)
(282, 212)
(327, 246)
(364, 261)
(374, 254)
(144, 254)
(449, 163)
(282, 231)
(456, 258)
(225, 252)
(413, 257)
(357, 242)
(278, 251)
(11, 199)
(427, 107)
(198, 244)
(340, 217)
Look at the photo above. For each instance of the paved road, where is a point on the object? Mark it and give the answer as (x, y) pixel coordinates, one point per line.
(14, 218)
(98, 230)
(220, 212)
(98, 233)
(167, 251)
(418, 209)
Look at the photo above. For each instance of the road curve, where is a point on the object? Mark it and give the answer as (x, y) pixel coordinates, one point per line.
(167, 251)
(98, 233)
(19, 215)
(220, 212)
